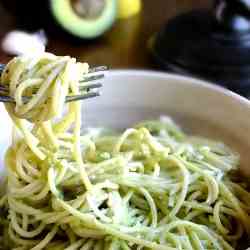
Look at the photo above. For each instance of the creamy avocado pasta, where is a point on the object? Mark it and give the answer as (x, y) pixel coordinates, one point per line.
(148, 187)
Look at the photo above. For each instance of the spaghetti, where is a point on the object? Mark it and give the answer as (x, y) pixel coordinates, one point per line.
(152, 187)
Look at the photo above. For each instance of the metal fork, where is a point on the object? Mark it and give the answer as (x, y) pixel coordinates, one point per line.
(93, 75)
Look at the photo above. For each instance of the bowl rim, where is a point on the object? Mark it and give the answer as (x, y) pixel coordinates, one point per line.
(186, 80)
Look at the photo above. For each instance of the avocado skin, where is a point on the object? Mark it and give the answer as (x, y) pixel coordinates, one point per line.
(33, 15)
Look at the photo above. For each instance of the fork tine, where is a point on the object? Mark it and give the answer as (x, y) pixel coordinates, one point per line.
(82, 97)
(2, 66)
(97, 69)
(91, 70)
(9, 99)
(3, 88)
(6, 99)
(87, 87)
(85, 79)
(92, 78)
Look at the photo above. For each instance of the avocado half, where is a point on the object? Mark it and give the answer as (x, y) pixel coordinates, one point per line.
(85, 19)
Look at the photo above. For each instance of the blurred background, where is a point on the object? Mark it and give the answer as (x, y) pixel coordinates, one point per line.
(122, 43)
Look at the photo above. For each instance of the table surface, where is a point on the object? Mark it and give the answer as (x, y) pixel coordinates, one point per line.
(125, 45)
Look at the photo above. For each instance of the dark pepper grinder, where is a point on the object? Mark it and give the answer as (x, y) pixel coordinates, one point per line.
(209, 44)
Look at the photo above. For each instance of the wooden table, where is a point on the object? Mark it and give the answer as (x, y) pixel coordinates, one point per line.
(125, 46)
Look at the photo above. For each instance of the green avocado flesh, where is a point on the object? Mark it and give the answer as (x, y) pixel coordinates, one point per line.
(84, 18)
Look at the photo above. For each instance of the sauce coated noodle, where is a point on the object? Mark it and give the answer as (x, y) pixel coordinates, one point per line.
(151, 187)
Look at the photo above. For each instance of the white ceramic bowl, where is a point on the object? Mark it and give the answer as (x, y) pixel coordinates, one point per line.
(201, 108)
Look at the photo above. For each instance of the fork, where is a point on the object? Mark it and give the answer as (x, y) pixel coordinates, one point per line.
(93, 75)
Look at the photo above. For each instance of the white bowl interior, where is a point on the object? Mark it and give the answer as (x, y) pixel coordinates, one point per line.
(131, 96)
(200, 108)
